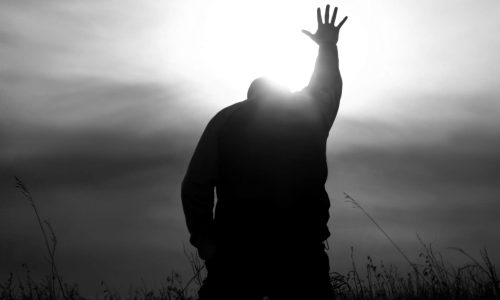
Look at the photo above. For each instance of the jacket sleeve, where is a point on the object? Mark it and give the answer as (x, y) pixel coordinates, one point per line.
(197, 190)
(326, 83)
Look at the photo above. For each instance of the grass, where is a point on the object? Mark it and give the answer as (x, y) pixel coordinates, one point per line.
(430, 277)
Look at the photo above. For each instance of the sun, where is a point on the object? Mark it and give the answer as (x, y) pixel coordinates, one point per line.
(231, 43)
(265, 40)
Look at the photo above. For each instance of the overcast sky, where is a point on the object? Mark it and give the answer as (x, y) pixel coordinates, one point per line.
(102, 103)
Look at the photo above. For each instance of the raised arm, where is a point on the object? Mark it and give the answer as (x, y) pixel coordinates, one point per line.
(326, 82)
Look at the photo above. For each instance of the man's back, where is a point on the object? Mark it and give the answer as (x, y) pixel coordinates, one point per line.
(272, 170)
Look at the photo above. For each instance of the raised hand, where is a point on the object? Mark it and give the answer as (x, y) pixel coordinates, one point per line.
(327, 32)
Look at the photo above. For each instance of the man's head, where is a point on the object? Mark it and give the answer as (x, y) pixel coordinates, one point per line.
(264, 88)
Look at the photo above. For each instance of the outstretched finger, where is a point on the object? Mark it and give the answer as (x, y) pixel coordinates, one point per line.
(327, 14)
(334, 16)
(318, 15)
(308, 33)
(342, 23)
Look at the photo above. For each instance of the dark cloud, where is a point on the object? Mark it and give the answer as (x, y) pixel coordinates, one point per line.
(442, 185)
(466, 158)
(89, 157)
(112, 198)
(104, 160)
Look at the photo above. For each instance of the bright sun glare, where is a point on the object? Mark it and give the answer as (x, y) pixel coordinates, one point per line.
(262, 39)
(239, 42)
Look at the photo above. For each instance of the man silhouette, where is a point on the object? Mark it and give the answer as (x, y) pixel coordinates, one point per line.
(266, 159)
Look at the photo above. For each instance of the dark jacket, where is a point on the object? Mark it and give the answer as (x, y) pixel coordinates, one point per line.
(266, 159)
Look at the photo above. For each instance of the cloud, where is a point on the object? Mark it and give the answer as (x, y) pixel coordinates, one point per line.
(466, 158)
(442, 185)
(113, 199)
(104, 160)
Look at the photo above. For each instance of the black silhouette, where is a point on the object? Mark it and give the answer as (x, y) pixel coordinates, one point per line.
(266, 158)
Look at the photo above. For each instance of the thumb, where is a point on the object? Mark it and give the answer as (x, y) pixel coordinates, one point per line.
(308, 33)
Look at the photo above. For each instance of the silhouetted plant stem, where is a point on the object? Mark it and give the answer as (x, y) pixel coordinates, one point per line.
(196, 266)
(488, 269)
(51, 250)
(357, 280)
(412, 265)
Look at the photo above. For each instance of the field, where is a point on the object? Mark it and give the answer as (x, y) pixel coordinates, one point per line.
(430, 276)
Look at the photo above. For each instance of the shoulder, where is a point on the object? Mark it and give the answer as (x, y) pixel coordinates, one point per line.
(321, 102)
(313, 94)
(224, 114)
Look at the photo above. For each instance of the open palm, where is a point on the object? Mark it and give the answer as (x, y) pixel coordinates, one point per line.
(327, 32)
